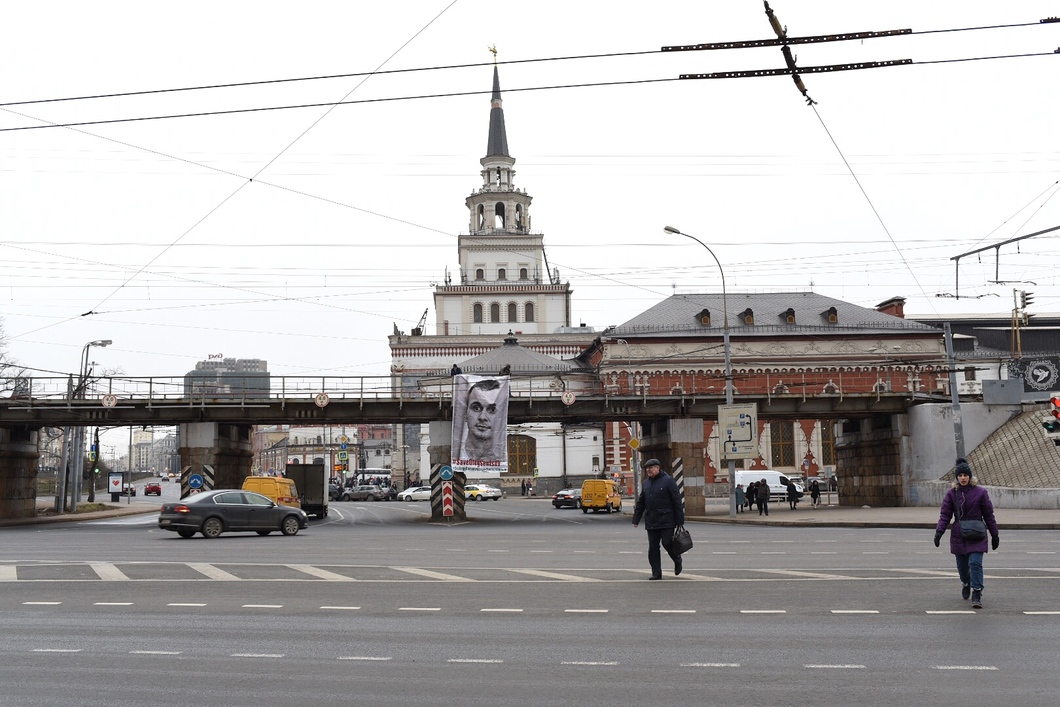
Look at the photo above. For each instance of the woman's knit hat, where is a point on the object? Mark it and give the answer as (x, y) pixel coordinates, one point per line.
(963, 467)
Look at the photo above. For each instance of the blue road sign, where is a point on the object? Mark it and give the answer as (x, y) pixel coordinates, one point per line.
(195, 481)
(446, 472)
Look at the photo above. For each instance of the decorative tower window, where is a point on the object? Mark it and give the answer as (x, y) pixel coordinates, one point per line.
(519, 216)
(476, 314)
(481, 220)
(499, 215)
(495, 313)
(529, 312)
(513, 312)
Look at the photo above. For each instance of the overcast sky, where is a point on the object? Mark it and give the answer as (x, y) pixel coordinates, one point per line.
(156, 228)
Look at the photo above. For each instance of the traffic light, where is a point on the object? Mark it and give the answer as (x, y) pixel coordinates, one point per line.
(1026, 299)
(1051, 424)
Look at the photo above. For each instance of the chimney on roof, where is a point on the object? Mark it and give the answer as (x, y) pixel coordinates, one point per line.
(894, 306)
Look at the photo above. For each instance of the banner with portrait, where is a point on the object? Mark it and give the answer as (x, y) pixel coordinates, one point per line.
(480, 425)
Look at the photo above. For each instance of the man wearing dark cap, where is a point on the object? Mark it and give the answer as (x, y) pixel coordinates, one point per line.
(661, 508)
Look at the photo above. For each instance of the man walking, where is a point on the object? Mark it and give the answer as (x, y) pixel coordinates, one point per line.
(661, 508)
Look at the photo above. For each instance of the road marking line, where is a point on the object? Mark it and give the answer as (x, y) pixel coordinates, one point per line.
(726, 552)
(593, 552)
(854, 611)
(629, 552)
(43, 603)
(56, 650)
(965, 667)
(555, 575)
(432, 575)
(962, 611)
(473, 660)
(257, 655)
(763, 611)
(108, 572)
(496, 551)
(1041, 552)
(823, 552)
(875, 552)
(213, 572)
(774, 552)
(184, 604)
(349, 608)
(585, 611)
(589, 662)
(263, 606)
(322, 574)
(1042, 613)
(932, 573)
(154, 652)
(8, 573)
(673, 611)
(514, 611)
(419, 608)
(812, 575)
(837, 667)
(709, 665)
(541, 551)
(365, 657)
(113, 603)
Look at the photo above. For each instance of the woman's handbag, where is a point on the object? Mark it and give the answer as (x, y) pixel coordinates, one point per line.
(971, 530)
(682, 540)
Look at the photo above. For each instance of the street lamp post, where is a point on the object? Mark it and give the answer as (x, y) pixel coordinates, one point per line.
(80, 393)
(728, 359)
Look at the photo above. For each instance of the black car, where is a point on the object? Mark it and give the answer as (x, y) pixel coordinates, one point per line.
(567, 498)
(229, 511)
(334, 491)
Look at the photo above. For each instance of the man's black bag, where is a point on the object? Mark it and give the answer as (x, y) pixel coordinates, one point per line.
(682, 540)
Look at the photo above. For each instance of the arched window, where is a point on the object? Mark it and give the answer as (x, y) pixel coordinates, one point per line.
(498, 216)
(502, 274)
(529, 311)
(480, 274)
(495, 312)
(476, 314)
(518, 215)
(522, 274)
(481, 220)
(513, 312)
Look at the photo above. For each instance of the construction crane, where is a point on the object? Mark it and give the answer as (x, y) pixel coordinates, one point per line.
(418, 329)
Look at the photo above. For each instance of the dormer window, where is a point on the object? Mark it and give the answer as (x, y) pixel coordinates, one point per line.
(748, 316)
(703, 317)
(831, 315)
(788, 315)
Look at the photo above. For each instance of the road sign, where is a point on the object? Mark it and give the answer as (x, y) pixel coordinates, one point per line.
(344, 439)
(342, 446)
(738, 428)
(447, 498)
(343, 456)
(322, 400)
(567, 398)
(110, 401)
(195, 481)
(446, 472)
(634, 443)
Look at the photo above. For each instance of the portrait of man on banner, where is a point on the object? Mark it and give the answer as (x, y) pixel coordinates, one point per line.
(480, 424)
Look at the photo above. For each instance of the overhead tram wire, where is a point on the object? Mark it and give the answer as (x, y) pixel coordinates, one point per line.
(814, 39)
(751, 73)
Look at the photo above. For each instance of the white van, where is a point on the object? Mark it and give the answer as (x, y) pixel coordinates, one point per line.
(778, 482)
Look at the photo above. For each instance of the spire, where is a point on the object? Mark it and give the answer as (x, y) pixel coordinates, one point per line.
(498, 140)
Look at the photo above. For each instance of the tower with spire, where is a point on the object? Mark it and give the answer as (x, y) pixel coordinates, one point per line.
(505, 280)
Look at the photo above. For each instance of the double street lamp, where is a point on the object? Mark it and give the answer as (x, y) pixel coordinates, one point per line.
(79, 461)
(728, 357)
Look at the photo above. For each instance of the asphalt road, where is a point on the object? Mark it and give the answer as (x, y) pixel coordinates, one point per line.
(522, 605)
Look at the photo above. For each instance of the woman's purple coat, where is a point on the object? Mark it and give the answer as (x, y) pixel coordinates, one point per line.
(974, 504)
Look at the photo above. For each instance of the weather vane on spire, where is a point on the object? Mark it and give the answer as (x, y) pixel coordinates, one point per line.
(493, 50)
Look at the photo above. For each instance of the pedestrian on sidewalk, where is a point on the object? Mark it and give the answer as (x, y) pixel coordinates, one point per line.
(660, 506)
(739, 498)
(966, 500)
(793, 495)
(762, 497)
(752, 495)
(815, 493)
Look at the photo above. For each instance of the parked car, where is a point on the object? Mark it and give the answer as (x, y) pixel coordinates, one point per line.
(153, 488)
(481, 492)
(229, 510)
(363, 492)
(567, 498)
(416, 493)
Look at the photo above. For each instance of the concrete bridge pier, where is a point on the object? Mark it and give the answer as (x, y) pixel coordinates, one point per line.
(681, 447)
(440, 449)
(869, 461)
(220, 452)
(18, 472)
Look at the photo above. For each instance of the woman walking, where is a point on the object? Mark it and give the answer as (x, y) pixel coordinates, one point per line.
(752, 495)
(815, 493)
(967, 501)
(793, 494)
